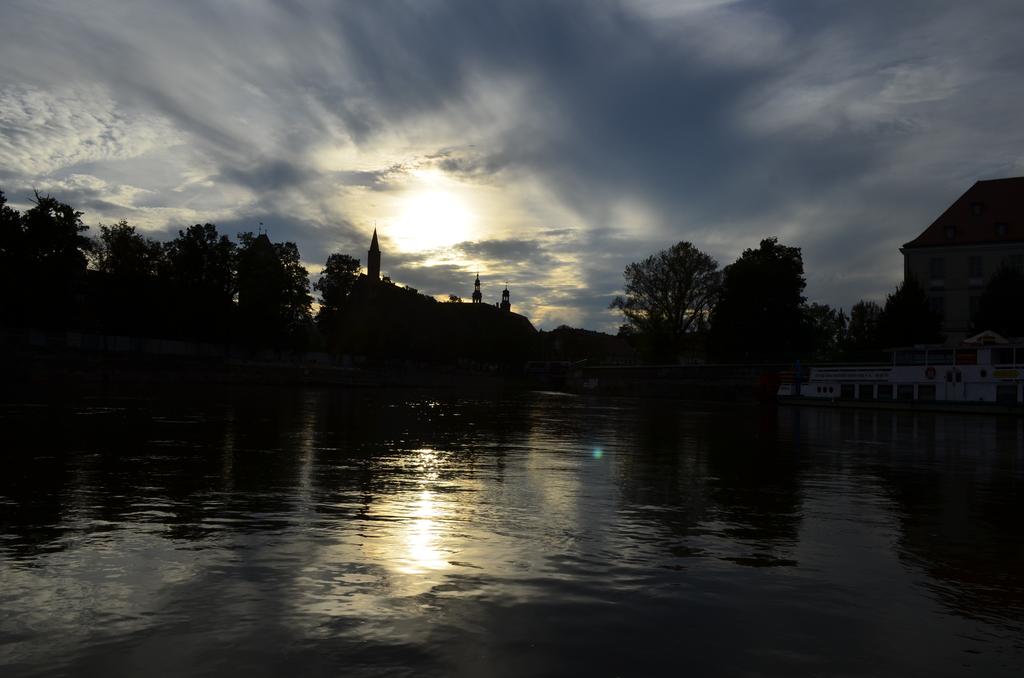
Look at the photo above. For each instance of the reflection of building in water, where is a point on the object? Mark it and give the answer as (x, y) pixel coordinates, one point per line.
(950, 485)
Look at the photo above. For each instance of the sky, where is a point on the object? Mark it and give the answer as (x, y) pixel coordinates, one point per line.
(543, 144)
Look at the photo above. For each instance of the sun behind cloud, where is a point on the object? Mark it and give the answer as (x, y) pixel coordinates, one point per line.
(433, 214)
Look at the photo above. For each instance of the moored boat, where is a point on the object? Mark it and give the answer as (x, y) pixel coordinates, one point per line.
(984, 370)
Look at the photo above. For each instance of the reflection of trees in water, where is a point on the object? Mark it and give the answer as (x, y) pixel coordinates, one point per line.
(35, 476)
(194, 463)
(757, 486)
(719, 472)
(954, 484)
(961, 507)
(664, 477)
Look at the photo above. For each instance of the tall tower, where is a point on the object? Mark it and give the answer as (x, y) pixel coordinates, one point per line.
(506, 305)
(477, 297)
(373, 259)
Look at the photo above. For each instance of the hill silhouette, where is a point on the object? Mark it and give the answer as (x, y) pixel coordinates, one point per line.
(381, 320)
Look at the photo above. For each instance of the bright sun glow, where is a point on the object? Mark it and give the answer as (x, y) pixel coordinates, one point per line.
(431, 217)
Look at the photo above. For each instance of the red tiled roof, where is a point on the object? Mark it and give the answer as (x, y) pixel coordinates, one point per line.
(989, 212)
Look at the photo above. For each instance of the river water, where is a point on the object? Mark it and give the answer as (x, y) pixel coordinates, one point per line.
(388, 533)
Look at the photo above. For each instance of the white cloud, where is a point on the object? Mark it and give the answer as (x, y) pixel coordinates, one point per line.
(45, 131)
(841, 127)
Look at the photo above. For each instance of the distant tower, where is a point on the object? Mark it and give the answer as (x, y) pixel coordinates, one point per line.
(506, 305)
(477, 297)
(373, 258)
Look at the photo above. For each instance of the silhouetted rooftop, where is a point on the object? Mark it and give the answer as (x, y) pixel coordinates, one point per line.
(989, 212)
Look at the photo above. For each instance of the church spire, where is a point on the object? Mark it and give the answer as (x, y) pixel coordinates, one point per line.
(373, 259)
(506, 305)
(477, 296)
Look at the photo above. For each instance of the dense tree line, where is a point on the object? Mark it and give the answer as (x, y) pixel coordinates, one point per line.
(42, 262)
(200, 285)
(754, 310)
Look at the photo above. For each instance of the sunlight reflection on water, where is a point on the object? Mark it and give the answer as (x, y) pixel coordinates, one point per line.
(535, 534)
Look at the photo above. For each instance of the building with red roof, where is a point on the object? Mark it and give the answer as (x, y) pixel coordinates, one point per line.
(954, 258)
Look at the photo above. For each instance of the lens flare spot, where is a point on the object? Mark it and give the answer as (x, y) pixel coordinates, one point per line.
(597, 453)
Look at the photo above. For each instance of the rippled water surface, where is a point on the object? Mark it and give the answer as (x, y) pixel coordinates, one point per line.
(312, 532)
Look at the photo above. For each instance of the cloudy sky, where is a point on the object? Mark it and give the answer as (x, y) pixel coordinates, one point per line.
(548, 144)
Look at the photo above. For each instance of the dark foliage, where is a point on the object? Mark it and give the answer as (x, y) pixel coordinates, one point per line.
(862, 339)
(760, 314)
(198, 270)
(907, 319)
(668, 295)
(273, 293)
(125, 265)
(1001, 307)
(335, 285)
(198, 286)
(43, 258)
(575, 345)
(823, 331)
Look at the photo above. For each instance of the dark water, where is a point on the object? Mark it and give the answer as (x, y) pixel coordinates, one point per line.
(406, 533)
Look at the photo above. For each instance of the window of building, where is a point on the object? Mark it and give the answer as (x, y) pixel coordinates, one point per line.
(1002, 356)
(866, 391)
(846, 391)
(950, 232)
(885, 392)
(910, 357)
(938, 305)
(974, 266)
(905, 392)
(975, 304)
(966, 356)
(926, 392)
(1001, 229)
(1006, 393)
(1015, 260)
(937, 268)
(977, 208)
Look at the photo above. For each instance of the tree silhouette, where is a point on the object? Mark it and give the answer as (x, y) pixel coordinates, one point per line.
(760, 313)
(13, 263)
(335, 284)
(1001, 304)
(129, 298)
(907, 318)
(43, 253)
(273, 292)
(668, 295)
(862, 331)
(122, 252)
(198, 270)
(824, 329)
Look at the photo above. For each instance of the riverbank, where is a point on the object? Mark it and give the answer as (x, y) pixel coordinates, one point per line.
(906, 406)
(60, 369)
(715, 383)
